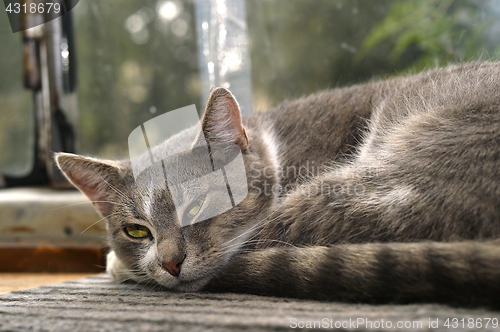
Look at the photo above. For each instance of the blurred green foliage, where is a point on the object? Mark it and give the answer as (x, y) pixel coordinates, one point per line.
(301, 46)
(437, 32)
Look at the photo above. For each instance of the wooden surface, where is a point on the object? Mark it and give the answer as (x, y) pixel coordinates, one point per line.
(96, 304)
(10, 282)
(48, 230)
(46, 258)
(43, 214)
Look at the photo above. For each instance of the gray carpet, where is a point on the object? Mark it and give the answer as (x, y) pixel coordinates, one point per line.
(96, 304)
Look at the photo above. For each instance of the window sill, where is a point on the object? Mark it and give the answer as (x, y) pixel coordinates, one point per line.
(48, 230)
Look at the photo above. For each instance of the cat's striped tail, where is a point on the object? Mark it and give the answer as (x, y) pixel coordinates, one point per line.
(459, 273)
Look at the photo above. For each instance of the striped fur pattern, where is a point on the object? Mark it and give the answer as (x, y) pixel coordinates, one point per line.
(457, 273)
(383, 192)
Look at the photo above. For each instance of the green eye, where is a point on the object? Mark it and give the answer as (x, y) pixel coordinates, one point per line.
(195, 207)
(137, 231)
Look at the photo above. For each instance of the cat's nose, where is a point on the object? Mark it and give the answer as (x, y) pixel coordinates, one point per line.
(173, 267)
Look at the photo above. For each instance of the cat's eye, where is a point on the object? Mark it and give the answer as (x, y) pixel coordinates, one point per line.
(137, 231)
(194, 208)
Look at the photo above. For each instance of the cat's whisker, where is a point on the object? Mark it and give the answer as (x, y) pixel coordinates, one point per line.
(259, 241)
(237, 249)
(127, 272)
(98, 221)
(88, 202)
(275, 215)
(119, 192)
(238, 245)
(253, 227)
(140, 281)
(150, 283)
(70, 205)
(135, 272)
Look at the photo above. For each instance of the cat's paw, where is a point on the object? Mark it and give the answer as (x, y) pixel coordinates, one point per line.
(115, 268)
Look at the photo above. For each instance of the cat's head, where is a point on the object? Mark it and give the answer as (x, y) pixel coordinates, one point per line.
(145, 226)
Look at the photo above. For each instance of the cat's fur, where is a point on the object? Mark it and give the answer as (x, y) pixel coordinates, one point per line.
(386, 191)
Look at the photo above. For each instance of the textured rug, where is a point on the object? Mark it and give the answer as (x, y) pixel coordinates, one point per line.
(96, 304)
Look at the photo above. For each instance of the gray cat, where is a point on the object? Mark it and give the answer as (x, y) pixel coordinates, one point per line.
(382, 192)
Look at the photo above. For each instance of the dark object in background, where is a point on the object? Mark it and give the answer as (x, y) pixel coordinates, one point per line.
(49, 70)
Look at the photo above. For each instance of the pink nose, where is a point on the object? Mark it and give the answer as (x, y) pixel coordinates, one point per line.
(173, 267)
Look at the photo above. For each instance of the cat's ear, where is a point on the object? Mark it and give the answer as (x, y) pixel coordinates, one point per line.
(222, 119)
(98, 179)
